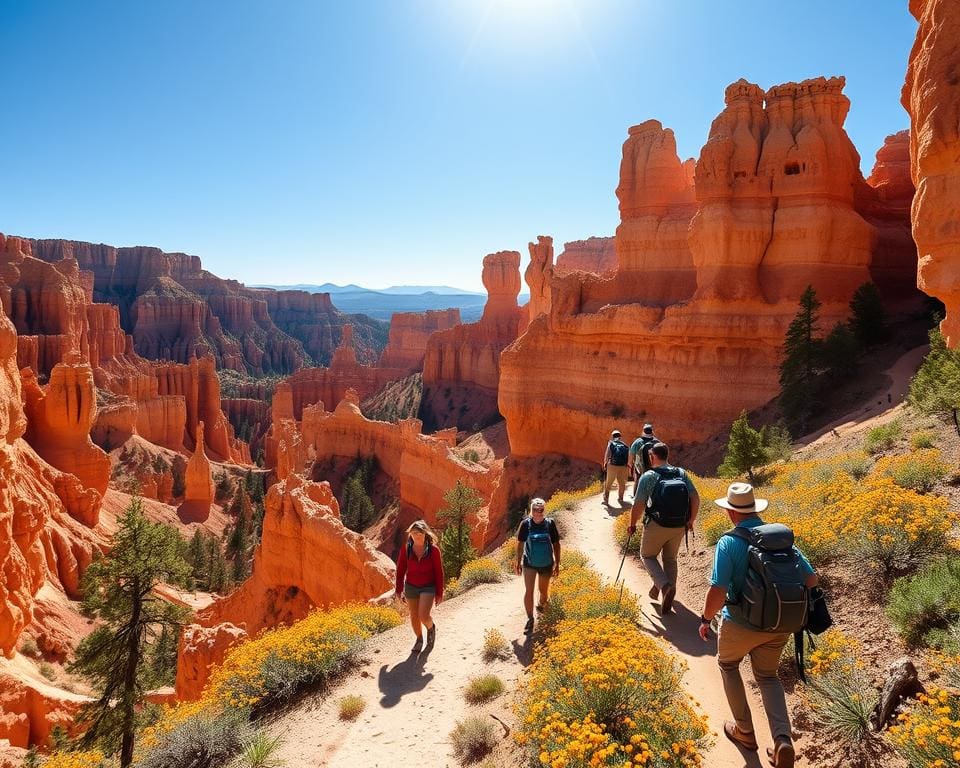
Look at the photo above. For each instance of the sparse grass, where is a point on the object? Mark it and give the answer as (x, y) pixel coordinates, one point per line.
(30, 648)
(351, 706)
(883, 437)
(258, 752)
(495, 645)
(473, 738)
(922, 439)
(472, 455)
(483, 688)
(47, 670)
(920, 471)
(857, 466)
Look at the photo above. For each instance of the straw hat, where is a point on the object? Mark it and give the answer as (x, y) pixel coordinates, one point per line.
(740, 499)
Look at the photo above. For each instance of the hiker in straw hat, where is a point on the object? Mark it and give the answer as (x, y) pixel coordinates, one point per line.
(737, 639)
(420, 580)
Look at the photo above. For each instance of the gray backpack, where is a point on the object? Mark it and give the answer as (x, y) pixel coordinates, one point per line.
(775, 597)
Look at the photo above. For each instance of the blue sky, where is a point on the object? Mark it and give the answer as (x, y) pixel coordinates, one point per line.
(386, 141)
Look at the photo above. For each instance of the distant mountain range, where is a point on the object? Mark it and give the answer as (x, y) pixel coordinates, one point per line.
(394, 290)
(381, 304)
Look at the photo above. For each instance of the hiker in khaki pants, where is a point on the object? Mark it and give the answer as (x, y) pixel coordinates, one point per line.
(737, 639)
(663, 529)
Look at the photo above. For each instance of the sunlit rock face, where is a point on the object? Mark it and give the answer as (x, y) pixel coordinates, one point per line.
(461, 367)
(409, 332)
(711, 261)
(931, 95)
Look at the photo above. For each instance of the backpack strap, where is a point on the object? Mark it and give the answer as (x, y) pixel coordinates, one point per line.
(739, 533)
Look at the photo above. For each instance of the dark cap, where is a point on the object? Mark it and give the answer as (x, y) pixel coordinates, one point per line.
(648, 429)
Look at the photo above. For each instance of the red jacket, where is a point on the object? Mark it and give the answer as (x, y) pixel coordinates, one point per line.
(421, 573)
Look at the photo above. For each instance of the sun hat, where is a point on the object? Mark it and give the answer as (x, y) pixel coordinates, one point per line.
(615, 433)
(648, 429)
(740, 499)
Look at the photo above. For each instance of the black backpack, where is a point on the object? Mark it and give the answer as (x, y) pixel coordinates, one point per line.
(646, 443)
(775, 597)
(619, 451)
(670, 500)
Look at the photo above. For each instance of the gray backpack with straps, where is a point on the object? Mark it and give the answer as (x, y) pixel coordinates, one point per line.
(775, 597)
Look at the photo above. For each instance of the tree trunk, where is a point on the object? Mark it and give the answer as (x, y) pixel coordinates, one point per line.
(128, 697)
(955, 422)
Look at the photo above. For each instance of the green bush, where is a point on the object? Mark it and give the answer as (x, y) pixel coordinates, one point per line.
(883, 437)
(920, 474)
(351, 706)
(483, 688)
(495, 645)
(473, 738)
(204, 741)
(922, 439)
(924, 607)
(258, 752)
(858, 467)
(841, 700)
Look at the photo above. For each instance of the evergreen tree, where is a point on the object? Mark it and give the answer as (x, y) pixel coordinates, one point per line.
(461, 503)
(776, 440)
(868, 318)
(118, 589)
(357, 510)
(840, 350)
(238, 541)
(801, 358)
(197, 559)
(936, 386)
(179, 471)
(217, 577)
(744, 449)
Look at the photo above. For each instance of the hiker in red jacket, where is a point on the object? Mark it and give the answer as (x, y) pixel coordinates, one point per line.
(420, 580)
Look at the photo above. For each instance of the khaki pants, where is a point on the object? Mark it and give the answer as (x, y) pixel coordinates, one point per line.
(618, 474)
(656, 540)
(736, 641)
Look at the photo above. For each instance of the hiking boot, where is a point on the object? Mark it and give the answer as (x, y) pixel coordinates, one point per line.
(431, 636)
(654, 592)
(528, 627)
(782, 755)
(669, 593)
(417, 646)
(606, 501)
(746, 740)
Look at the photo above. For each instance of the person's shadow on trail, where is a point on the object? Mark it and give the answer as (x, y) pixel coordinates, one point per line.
(680, 628)
(406, 677)
(524, 650)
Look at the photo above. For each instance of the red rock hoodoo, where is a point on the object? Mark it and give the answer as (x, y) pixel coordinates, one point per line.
(461, 368)
(931, 95)
(409, 332)
(198, 496)
(595, 254)
(688, 331)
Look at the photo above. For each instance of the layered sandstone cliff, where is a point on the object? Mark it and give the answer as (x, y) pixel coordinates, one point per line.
(689, 330)
(931, 95)
(461, 367)
(175, 310)
(409, 333)
(595, 254)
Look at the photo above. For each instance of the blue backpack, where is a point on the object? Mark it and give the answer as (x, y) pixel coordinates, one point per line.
(538, 547)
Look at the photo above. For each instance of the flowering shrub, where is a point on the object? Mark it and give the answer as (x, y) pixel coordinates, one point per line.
(928, 734)
(919, 471)
(263, 671)
(482, 570)
(713, 525)
(600, 692)
(565, 500)
(620, 534)
(93, 759)
(580, 593)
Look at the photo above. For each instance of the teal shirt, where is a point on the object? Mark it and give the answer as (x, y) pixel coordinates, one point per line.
(730, 565)
(649, 479)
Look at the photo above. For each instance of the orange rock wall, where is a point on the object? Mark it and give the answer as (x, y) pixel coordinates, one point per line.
(409, 333)
(294, 567)
(595, 254)
(931, 95)
(775, 191)
(461, 367)
(200, 650)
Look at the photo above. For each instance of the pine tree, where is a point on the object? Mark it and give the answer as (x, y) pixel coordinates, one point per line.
(196, 558)
(118, 589)
(801, 358)
(936, 386)
(461, 503)
(867, 316)
(744, 449)
(840, 351)
(238, 542)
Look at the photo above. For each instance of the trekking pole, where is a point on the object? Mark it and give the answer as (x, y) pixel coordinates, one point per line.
(620, 570)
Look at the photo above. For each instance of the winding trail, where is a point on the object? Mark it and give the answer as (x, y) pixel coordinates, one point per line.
(412, 703)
